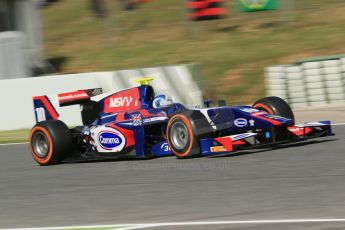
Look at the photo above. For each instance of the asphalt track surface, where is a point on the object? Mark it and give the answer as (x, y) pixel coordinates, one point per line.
(305, 180)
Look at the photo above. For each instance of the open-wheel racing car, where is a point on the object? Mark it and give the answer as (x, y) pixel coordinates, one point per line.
(134, 123)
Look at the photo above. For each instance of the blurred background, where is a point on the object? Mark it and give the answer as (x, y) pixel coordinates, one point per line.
(73, 36)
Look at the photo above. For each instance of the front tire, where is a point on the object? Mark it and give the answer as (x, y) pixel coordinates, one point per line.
(275, 105)
(184, 131)
(50, 142)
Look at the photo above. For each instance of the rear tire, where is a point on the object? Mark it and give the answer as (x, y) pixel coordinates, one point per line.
(50, 142)
(184, 131)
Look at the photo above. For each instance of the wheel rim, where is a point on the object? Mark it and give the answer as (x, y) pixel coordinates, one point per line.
(40, 144)
(179, 135)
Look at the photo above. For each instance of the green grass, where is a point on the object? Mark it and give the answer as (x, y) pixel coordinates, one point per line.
(14, 136)
(233, 51)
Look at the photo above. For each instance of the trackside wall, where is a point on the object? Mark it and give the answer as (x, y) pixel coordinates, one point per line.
(16, 94)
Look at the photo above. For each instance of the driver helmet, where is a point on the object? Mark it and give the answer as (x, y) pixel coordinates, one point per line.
(161, 101)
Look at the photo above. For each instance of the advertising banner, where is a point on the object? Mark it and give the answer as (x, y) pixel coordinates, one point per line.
(257, 5)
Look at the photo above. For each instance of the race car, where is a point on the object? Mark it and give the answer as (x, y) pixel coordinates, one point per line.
(135, 123)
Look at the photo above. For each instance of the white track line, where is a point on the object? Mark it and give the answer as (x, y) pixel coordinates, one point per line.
(231, 222)
(336, 124)
(245, 222)
(8, 144)
(137, 227)
(116, 226)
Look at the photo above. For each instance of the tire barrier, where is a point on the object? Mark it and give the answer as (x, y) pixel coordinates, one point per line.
(310, 83)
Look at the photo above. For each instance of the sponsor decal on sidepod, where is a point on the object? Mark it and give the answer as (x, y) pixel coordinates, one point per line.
(125, 100)
(120, 102)
(110, 140)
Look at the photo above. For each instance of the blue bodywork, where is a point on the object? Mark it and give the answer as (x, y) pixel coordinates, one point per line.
(228, 120)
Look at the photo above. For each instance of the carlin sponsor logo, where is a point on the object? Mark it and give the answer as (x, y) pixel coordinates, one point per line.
(72, 96)
(109, 140)
(240, 122)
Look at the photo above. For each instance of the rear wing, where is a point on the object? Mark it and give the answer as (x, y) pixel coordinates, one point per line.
(47, 107)
(77, 97)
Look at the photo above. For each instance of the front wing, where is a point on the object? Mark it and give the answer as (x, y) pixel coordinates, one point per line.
(233, 143)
